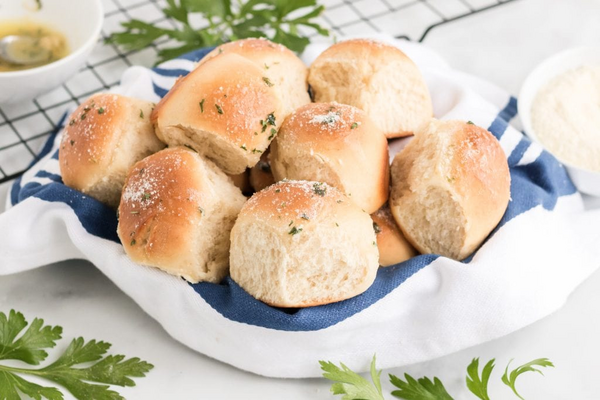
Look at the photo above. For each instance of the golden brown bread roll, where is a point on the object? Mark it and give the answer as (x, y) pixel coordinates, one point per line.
(450, 188)
(300, 244)
(281, 67)
(104, 137)
(224, 110)
(337, 144)
(176, 213)
(377, 78)
(261, 175)
(391, 243)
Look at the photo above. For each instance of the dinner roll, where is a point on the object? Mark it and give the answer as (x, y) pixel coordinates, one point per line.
(281, 67)
(393, 247)
(261, 175)
(336, 144)
(377, 78)
(103, 138)
(450, 188)
(224, 110)
(176, 213)
(300, 244)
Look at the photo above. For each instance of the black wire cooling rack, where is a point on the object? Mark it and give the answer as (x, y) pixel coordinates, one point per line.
(25, 127)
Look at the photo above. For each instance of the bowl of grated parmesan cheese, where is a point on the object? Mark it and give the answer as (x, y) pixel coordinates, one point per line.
(559, 105)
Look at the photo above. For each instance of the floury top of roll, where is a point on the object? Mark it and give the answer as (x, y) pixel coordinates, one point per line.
(324, 211)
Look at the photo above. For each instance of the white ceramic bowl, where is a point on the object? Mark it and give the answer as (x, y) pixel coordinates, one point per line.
(585, 180)
(80, 21)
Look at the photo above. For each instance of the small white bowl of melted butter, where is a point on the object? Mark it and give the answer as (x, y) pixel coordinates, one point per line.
(64, 30)
(559, 105)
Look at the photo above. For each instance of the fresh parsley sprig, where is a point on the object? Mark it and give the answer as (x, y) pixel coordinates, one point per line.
(354, 387)
(227, 20)
(419, 389)
(510, 380)
(478, 385)
(29, 348)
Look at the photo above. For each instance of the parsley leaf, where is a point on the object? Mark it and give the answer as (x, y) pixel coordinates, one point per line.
(9, 383)
(89, 382)
(352, 385)
(511, 380)
(421, 389)
(277, 20)
(478, 386)
(29, 347)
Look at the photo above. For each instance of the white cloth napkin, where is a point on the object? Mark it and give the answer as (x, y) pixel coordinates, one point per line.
(424, 308)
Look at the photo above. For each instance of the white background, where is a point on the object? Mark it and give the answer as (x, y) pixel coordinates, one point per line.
(502, 46)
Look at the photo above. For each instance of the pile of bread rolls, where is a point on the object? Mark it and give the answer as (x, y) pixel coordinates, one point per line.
(294, 199)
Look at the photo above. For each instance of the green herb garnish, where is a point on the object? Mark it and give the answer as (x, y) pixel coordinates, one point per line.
(470, 123)
(354, 387)
(72, 142)
(243, 147)
(72, 122)
(376, 228)
(101, 110)
(510, 380)
(202, 105)
(351, 384)
(271, 119)
(277, 20)
(135, 212)
(354, 125)
(132, 242)
(319, 188)
(146, 196)
(268, 81)
(294, 231)
(142, 114)
(90, 381)
(277, 190)
(219, 109)
(304, 216)
(272, 135)
(201, 210)
(254, 151)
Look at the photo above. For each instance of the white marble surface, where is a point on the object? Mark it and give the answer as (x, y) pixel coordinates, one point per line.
(501, 45)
